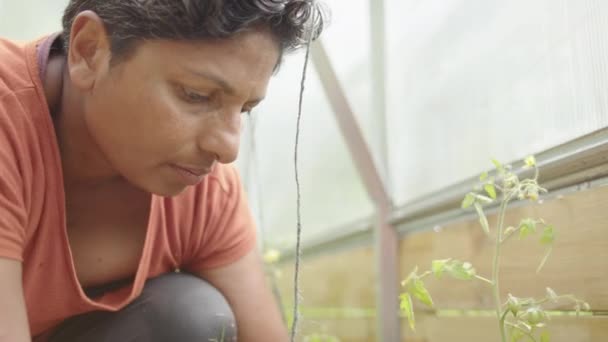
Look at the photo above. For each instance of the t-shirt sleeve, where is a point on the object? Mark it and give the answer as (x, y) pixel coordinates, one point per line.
(13, 218)
(229, 232)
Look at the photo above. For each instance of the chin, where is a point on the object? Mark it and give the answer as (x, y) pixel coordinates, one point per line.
(168, 191)
(164, 189)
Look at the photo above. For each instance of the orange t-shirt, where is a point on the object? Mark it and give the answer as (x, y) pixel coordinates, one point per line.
(206, 226)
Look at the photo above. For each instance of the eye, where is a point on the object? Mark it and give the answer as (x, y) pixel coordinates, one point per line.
(193, 96)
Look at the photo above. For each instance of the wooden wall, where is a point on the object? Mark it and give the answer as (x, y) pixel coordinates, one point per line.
(337, 294)
(338, 290)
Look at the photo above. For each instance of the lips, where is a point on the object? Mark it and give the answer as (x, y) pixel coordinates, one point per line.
(190, 175)
(199, 172)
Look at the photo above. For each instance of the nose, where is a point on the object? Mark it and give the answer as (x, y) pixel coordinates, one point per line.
(221, 136)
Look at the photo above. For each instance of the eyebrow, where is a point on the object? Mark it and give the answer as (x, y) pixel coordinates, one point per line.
(221, 82)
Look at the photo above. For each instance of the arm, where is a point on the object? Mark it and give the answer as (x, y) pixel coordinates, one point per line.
(13, 317)
(244, 285)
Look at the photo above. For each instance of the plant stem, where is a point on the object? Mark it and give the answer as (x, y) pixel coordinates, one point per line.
(566, 296)
(496, 267)
(484, 279)
(425, 274)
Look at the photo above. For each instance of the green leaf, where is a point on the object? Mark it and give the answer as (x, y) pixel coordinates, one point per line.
(490, 190)
(408, 310)
(460, 270)
(498, 166)
(548, 235)
(438, 266)
(544, 337)
(530, 161)
(419, 291)
(468, 200)
(483, 220)
(526, 227)
(483, 176)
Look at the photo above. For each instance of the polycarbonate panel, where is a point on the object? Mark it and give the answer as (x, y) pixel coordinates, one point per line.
(475, 79)
(332, 193)
(25, 20)
(347, 40)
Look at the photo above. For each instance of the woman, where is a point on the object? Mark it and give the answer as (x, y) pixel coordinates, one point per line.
(120, 218)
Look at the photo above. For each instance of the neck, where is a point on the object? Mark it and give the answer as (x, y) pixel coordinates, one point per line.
(82, 161)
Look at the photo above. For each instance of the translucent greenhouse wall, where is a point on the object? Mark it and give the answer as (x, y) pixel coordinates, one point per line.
(466, 81)
(470, 80)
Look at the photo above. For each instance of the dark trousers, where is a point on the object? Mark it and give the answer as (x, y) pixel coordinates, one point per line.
(173, 307)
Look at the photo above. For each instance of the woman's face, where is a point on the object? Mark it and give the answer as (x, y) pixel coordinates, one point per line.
(166, 114)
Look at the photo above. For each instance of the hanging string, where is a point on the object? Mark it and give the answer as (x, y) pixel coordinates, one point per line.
(296, 279)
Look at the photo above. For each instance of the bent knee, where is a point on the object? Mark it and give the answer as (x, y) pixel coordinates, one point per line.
(187, 308)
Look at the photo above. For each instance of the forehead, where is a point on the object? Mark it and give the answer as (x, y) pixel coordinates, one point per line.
(256, 50)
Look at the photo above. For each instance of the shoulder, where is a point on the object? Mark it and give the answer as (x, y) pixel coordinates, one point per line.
(23, 109)
(14, 71)
(18, 94)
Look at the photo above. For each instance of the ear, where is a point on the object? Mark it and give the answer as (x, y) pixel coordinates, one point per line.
(89, 50)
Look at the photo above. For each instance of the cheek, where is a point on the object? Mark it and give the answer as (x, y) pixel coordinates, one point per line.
(136, 126)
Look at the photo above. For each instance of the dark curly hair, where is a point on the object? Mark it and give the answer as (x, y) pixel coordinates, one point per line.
(129, 22)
